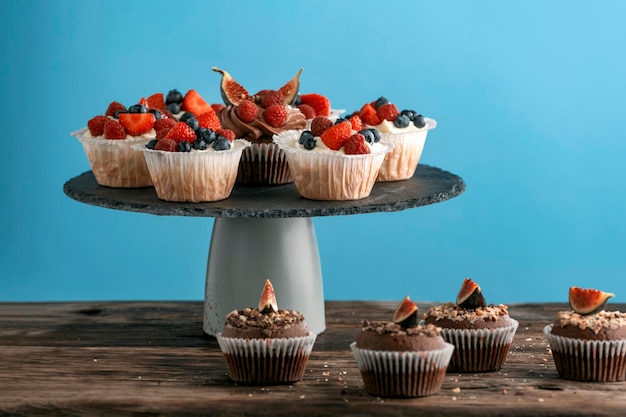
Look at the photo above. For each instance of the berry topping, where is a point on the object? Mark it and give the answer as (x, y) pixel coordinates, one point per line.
(320, 103)
(192, 122)
(96, 125)
(157, 113)
(161, 134)
(174, 96)
(335, 136)
(221, 144)
(162, 123)
(114, 130)
(271, 98)
(206, 135)
(320, 124)
(401, 121)
(307, 139)
(275, 115)
(181, 132)
(152, 144)
(209, 120)
(226, 133)
(419, 121)
(137, 124)
(355, 145)
(356, 122)
(307, 111)
(368, 135)
(411, 114)
(184, 146)
(113, 107)
(368, 115)
(200, 144)
(387, 111)
(168, 145)
(380, 102)
(173, 108)
(155, 101)
(376, 134)
(193, 102)
(247, 111)
(138, 108)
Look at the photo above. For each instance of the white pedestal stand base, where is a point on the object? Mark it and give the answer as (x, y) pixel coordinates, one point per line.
(244, 252)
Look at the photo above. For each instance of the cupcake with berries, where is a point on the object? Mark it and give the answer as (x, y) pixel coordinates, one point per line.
(406, 129)
(193, 159)
(175, 104)
(257, 118)
(334, 161)
(108, 142)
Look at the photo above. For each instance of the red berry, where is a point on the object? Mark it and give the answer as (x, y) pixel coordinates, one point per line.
(307, 111)
(180, 132)
(247, 111)
(194, 103)
(356, 122)
(275, 115)
(227, 133)
(272, 98)
(368, 115)
(388, 112)
(162, 133)
(355, 145)
(335, 136)
(156, 101)
(168, 145)
(217, 107)
(163, 123)
(114, 130)
(96, 125)
(113, 107)
(143, 101)
(137, 124)
(320, 103)
(320, 124)
(209, 120)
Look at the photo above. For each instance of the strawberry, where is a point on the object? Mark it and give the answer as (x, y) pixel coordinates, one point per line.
(156, 101)
(356, 122)
(271, 98)
(96, 125)
(181, 132)
(355, 145)
(227, 133)
(114, 130)
(247, 111)
(387, 111)
(168, 145)
(137, 124)
(113, 107)
(320, 103)
(320, 124)
(194, 103)
(217, 107)
(368, 115)
(163, 123)
(335, 136)
(143, 102)
(275, 115)
(307, 111)
(209, 120)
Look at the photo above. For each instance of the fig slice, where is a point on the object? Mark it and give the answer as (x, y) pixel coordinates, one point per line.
(232, 92)
(267, 302)
(470, 295)
(290, 90)
(587, 300)
(406, 313)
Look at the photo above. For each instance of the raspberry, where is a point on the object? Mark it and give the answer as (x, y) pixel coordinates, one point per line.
(114, 130)
(387, 111)
(368, 115)
(247, 111)
(356, 123)
(163, 123)
(335, 136)
(167, 145)
(209, 120)
(227, 133)
(355, 145)
(160, 134)
(180, 132)
(275, 115)
(113, 107)
(272, 98)
(320, 124)
(96, 125)
(307, 111)
(320, 103)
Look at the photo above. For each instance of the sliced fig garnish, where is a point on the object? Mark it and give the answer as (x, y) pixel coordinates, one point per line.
(587, 300)
(406, 313)
(470, 295)
(232, 92)
(290, 90)
(267, 302)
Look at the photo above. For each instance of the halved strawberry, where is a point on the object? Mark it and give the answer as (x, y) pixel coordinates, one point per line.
(209, 120)
(156, 101)
(368, 115)
(194, 103)
(180, 132)
(320, 103)
(137, 124)
(334, 137)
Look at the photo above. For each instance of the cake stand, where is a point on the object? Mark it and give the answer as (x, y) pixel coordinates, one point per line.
(268, 232)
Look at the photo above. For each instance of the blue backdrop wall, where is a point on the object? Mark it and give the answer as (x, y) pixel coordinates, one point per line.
(529, 97)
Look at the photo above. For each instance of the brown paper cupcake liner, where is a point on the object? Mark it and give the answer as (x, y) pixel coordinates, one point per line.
(263, 164)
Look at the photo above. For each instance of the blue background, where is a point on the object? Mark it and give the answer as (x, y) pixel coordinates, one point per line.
(529, 97)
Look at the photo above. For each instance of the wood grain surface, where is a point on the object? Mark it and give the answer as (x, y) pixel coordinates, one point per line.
(152, 358)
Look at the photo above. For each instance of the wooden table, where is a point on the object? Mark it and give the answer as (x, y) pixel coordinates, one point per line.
(152, 358)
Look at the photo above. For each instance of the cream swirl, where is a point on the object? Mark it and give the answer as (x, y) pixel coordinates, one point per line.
(259, 131)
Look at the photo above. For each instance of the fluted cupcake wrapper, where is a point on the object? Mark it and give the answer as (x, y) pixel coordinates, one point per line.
(115, 163)
(402, 374)
(479, 350)
(401, 162)
(588, 360)
(266, 361)
(196, 176)
(263, 164)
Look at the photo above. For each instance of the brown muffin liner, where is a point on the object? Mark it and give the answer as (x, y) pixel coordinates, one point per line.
(588, 360)
(266, 361)
(479, 350)
(402, 374)
(263, 164)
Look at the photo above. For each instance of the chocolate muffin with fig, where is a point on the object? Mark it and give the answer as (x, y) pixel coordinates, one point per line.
(481, 333)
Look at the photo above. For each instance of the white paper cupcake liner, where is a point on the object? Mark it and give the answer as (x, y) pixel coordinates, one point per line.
(331, 176)
(588, 360)
(401, 162)
(402, 374)
(479, 350)
(115, 163)
(266, 361)
(196, 176)
(263, 164)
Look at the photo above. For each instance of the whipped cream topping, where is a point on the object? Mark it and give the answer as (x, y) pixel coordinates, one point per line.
(595, 322)
(391, 328)
(453, 312)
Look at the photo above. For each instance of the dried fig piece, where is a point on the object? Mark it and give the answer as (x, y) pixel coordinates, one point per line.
(232, 92)
(267, 302)
(406, 313)
(587, 300)
(470, 296)
(290, 90)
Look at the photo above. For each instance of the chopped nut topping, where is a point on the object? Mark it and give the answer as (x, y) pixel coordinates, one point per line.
(595, 322)
(252, 317)
(388, 327)
(453, 312)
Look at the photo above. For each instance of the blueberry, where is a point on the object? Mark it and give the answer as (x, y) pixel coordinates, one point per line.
(410, 113)
(380, 102)
(200, 144)
(138, 108)
(174, 96)
(368, 135)
(376, 134)
(304, 136)
(187, 115)
(419, 121)
(118, 112)
(157, 114)
(309, 143)
(206, 135)
(192, 122)
(221, 143)
(151, 144)
(184, 146)
(401, 121)
(173, 108)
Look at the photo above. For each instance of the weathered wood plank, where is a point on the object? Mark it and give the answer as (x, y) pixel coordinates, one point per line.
(151, 358)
